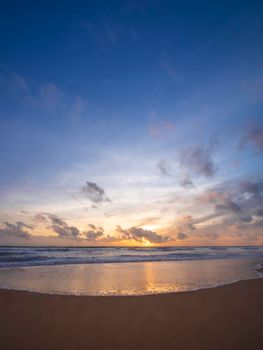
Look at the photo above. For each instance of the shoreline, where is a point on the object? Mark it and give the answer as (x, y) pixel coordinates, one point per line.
(223, 317)
(144, 279)
(259, 270)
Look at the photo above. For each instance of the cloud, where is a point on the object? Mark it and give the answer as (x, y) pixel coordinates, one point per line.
(140, 235)
(66, 231)
(94, 193)
(58, 225)
(228, 205)
(39, 218)
(149, 221)
(182, 227)
(259, 212)
(13, 84)
(187, 183)
(50, 96)
(93, 233)
(163, 129)
(46, 217)
(96, 234)
(181, 236)
(254, 136)
(254, 188)
(238, 201)
(205, 219)
(78, 108)
(24, 212)
(63, 230)
(46, 97)
(246, 218)
(223, 205)
(56, 220)
(16, 230)
(163, 168)
(198, 160)
(103, 33)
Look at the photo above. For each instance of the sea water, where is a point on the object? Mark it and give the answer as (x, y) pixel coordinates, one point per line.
(123, 270)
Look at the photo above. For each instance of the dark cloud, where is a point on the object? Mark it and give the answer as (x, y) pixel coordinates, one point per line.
(56, 220)
(198, 160)
(16, 230)
(39, 218)
(228, 205)
(66, 231)
(187, 183)
(254, 188)
(22, 224)
(224, 206)
(246, 218)
(47, 217)
(94, 233)
(94, 193)
(58, 225)
(258, 212)
(241, 201)
(181, 236)
(63, 230)
(140, 235)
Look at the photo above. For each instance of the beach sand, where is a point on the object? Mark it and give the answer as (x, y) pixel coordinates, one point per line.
(227, 317)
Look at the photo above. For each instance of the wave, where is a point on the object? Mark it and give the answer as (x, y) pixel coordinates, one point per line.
(35, 256)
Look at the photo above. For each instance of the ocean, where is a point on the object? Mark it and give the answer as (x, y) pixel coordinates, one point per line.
(125, 270)
(39, 256)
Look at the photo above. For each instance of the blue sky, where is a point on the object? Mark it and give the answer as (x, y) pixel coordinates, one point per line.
(131, 122)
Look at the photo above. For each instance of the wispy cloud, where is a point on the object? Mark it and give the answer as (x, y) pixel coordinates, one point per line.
(47, 97)
(170, 70)
(102, 32)
(161, 128)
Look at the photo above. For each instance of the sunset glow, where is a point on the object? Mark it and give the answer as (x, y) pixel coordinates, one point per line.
(132, 135)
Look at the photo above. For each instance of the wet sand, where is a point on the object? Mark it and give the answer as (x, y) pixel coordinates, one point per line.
(227, 317)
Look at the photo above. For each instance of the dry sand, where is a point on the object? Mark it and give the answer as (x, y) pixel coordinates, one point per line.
(228, 317)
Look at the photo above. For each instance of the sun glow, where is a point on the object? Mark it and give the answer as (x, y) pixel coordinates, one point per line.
(146, 243)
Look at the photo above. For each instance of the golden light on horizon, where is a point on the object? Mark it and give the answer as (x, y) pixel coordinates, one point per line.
(146, 243)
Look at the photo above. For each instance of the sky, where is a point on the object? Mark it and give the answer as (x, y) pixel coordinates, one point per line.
(131, 123)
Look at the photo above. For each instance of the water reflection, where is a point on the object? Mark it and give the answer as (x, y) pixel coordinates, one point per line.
(128, 278)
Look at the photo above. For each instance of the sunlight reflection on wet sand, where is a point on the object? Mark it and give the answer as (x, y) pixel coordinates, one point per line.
(128, 278)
